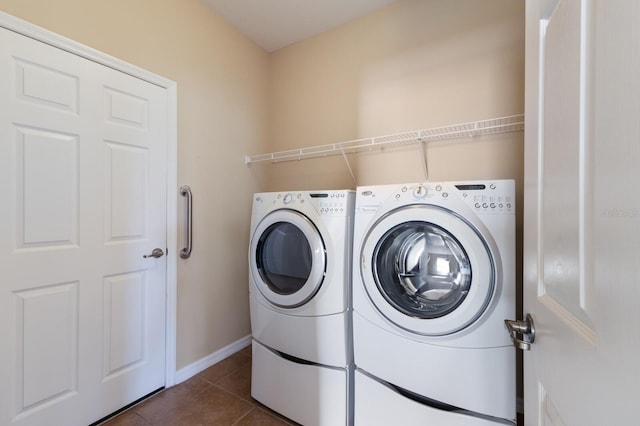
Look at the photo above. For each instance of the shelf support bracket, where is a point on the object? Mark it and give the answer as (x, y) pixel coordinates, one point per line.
(346, 160)
(425, 167)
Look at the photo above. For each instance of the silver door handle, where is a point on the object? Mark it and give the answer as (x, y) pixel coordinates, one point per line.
(185, 191)
(525, 328)
(157, 252)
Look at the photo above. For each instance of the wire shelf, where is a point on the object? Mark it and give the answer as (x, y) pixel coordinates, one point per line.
(513, 123)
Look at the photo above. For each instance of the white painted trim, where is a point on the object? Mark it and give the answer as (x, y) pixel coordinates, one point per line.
(171, 344)
(214, 358)
(45, 36)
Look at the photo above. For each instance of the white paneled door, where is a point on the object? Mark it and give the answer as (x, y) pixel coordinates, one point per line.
(582, 212)
(83, 160)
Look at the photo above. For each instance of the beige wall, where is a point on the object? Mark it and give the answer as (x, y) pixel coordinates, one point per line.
(413, 65)
(222, 104)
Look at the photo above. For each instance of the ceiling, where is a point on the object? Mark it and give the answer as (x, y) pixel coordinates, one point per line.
(273, 24)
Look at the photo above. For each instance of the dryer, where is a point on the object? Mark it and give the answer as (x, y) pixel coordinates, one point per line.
(299, 287)
(433, 281)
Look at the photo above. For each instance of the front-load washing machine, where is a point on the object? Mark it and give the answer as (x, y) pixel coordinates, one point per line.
(433, 281)
(299, 288)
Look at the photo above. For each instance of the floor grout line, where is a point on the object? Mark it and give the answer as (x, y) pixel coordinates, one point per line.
(253, 408)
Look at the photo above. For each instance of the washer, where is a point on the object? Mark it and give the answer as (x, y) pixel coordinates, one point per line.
(433, 281)
(300, 275)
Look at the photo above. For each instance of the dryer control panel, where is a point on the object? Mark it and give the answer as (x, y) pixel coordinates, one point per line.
(324, 203)
(332, 203)
(333, 207)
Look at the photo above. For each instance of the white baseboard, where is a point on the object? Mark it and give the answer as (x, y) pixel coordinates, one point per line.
(202, 364)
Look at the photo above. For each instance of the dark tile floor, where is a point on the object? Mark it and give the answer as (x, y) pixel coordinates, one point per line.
(220, 395)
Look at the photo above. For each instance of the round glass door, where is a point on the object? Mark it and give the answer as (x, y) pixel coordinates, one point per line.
(428, 270)
(288, 258)
(422, 270)
(283, 258)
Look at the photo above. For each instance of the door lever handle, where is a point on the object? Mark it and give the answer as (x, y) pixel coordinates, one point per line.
(525, 328)
(157, 252)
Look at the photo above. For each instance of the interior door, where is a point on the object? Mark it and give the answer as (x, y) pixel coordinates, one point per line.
(582, 212)
(83, 155)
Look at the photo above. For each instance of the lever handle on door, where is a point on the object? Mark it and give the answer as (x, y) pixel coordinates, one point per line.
(157, 252)
(525, 328)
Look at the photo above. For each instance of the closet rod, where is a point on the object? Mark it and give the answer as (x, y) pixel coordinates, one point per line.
(512, 123)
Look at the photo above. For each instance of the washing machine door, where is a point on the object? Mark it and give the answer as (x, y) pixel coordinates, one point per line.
(428, 270)
(287, 258)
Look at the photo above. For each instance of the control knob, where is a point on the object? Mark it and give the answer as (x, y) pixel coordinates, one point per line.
(420, 191)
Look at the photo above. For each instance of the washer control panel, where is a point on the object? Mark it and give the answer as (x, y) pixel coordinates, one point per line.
(493, 197)
(485, 197)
